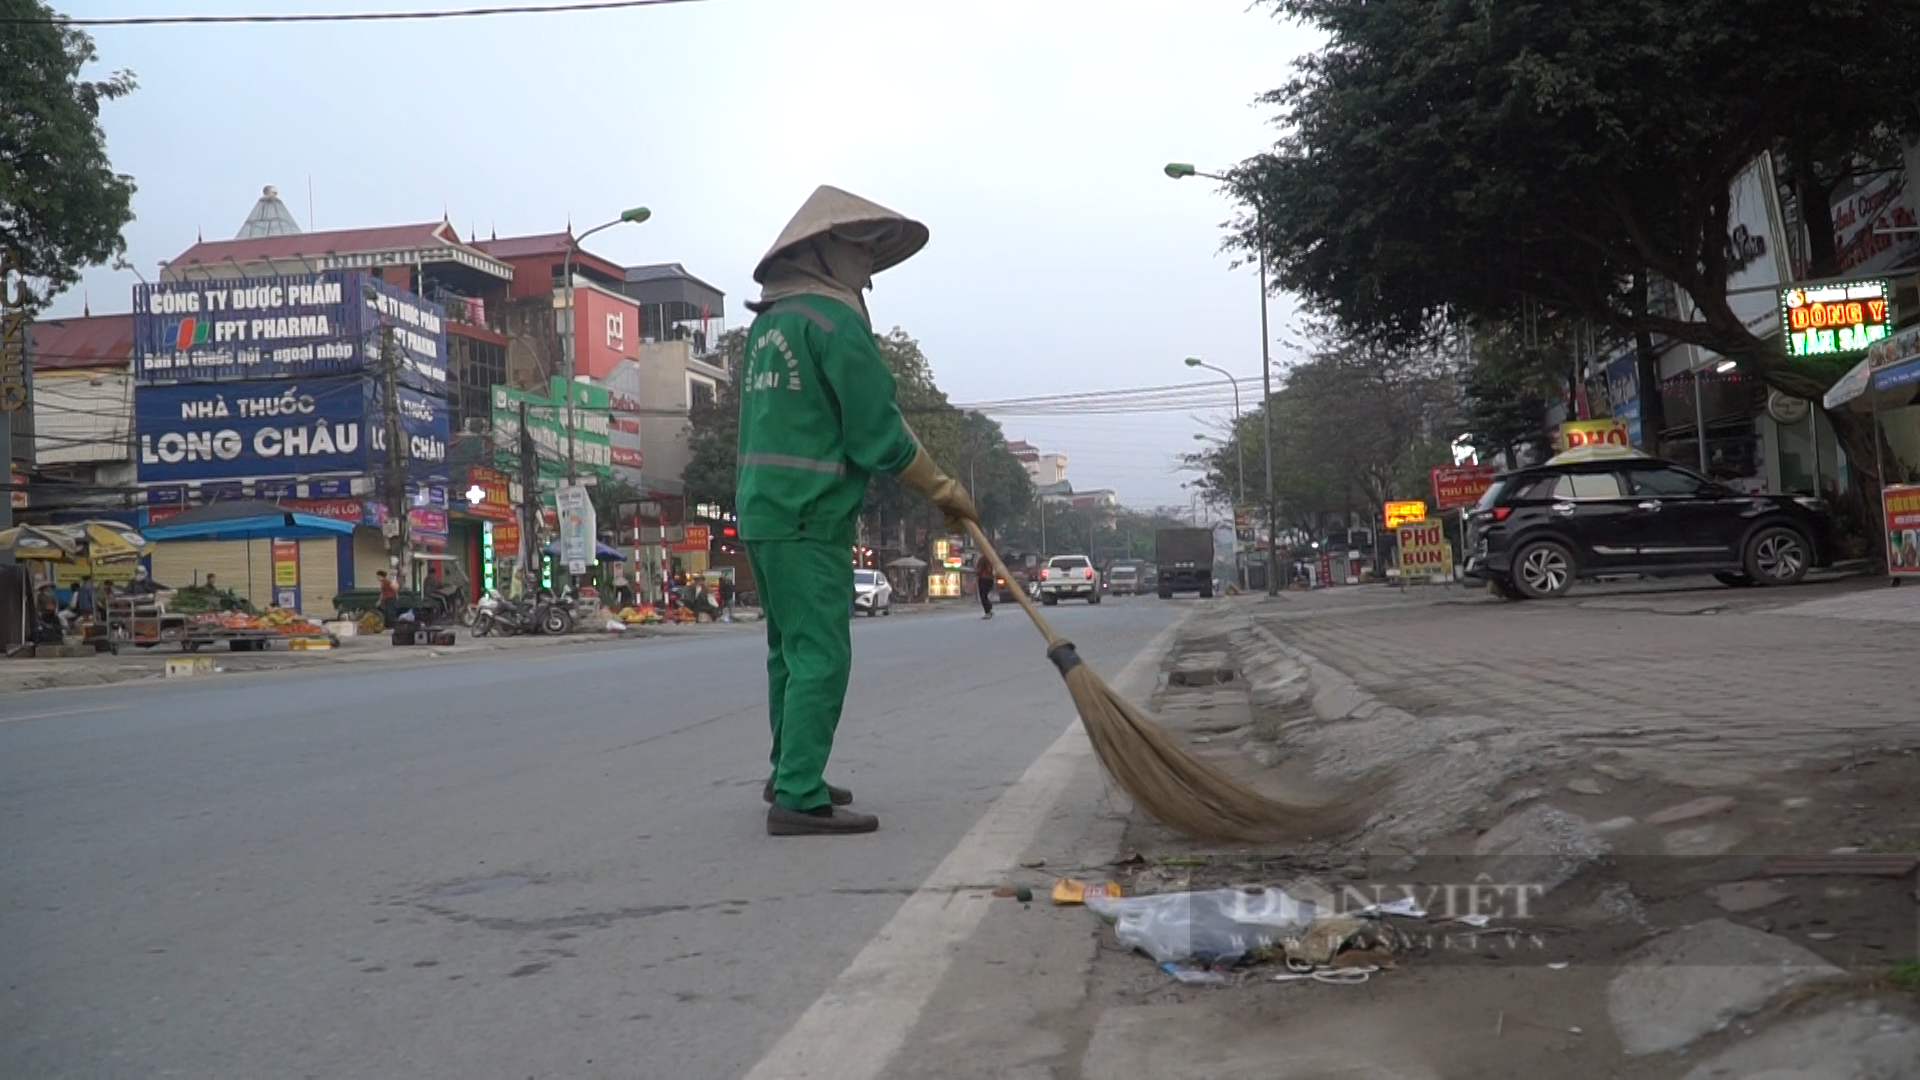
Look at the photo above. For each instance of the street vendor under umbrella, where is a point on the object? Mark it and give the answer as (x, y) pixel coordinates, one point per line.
(818, 418)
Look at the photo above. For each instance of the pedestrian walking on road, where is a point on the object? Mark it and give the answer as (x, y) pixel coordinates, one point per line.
(983, 581)
(389, 597)
(818, 418)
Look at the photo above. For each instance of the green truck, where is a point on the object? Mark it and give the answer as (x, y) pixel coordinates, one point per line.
(1185, 561)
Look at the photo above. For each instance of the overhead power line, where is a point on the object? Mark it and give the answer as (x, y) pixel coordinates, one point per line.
(354, 16)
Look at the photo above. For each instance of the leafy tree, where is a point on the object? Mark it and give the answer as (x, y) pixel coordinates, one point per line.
(1511, 379)
(996, 479)
(606, 496)
(713, 433)
(1356, 425)
(62, 207)
(1475, 158)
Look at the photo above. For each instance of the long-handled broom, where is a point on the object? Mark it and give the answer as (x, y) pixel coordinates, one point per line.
(1170, 785)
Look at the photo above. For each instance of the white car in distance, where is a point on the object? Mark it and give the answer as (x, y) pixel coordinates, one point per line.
(871, 593)
(1069, 576)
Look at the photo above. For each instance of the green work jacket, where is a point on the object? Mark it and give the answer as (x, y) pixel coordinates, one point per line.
(817, 419)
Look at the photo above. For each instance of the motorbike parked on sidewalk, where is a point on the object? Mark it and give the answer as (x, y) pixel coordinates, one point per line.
(497, 614)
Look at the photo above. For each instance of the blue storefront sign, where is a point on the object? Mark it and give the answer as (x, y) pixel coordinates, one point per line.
(282, 430)
(331, 489)
(418, 333)
(1623, 394)
(298, 327)
(226, 431)
(424, 421)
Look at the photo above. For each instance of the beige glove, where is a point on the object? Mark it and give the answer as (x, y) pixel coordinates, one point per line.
(923, 476)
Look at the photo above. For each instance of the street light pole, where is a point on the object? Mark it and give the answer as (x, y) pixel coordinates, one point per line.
(1240, 477)
(636, 215)
(1180, 171)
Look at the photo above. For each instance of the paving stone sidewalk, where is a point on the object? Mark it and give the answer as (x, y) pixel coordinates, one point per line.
(1701, 680)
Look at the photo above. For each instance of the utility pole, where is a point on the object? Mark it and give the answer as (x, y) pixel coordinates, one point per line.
(396, 460)
(529, 454)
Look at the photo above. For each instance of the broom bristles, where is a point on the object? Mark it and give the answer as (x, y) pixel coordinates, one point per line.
(1171, 785)
(1179, 790)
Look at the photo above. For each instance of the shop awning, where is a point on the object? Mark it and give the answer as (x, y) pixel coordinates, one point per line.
(245, 519)
(1863, 389)
(1889, 377)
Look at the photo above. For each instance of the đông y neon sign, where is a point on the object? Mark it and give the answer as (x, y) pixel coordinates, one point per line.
(1838, 320)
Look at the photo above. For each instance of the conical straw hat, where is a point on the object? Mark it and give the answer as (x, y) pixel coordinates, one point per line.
(830, 208)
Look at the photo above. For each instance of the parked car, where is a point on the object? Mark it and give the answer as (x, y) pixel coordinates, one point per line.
(1538, 529)
(872, 593)
(1069, 576)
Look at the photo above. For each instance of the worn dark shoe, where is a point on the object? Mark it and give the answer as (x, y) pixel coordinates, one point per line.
(840, 796)
(826, 821)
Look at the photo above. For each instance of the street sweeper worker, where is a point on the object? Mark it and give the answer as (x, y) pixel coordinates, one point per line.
(818, 419)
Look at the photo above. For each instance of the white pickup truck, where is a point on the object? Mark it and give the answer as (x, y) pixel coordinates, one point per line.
(1069, 575)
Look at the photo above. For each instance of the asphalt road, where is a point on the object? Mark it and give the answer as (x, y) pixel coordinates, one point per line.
(542, 864)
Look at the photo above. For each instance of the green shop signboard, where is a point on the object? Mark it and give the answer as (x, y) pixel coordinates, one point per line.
(592, 410)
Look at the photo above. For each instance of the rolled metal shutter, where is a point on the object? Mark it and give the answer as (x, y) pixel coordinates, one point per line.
(319, 576)
(369, 557)
(180, 563)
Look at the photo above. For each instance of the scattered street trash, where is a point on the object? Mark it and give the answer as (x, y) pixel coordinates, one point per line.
(1023, 894)
(1184, 860)
(615, 626)
(1221, 924)
(1005, 892)
(1074, 891)
(1034, 864)
(1558, 965)
(1193, 976)
(1404, 907)
(1337, 976)
(1475, 921)
(1132, 862)
(1323, 939)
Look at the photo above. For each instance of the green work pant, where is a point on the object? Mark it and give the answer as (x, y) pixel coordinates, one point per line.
(806, 598)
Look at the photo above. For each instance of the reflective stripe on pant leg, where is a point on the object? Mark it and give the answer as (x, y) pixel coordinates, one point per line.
(777, 675)
(812, 582)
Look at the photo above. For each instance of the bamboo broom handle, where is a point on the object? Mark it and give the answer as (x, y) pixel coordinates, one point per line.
(1019, 594)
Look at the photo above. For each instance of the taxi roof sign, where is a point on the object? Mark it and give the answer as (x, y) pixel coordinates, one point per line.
(1597, 452)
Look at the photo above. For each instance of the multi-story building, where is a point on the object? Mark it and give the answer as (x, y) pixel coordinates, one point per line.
(428, 260)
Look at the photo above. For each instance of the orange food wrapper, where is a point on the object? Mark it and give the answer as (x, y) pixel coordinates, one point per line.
(1073, 891)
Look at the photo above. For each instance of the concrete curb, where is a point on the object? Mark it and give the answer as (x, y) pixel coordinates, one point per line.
(1335, 695)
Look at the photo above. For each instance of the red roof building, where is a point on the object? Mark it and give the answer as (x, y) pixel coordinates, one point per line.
(97, 341)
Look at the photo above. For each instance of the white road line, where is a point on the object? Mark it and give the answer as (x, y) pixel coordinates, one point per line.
(856, 1027)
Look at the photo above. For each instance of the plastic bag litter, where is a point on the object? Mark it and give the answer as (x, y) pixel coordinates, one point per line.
(1220, 924)
(615, 626)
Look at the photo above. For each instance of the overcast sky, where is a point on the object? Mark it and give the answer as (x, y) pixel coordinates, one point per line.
(1028, 135)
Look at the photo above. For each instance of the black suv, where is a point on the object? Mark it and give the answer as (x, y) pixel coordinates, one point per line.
(1537, 529)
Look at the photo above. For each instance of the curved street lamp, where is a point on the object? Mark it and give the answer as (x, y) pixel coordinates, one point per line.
(634, 216)
(1179, 170)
